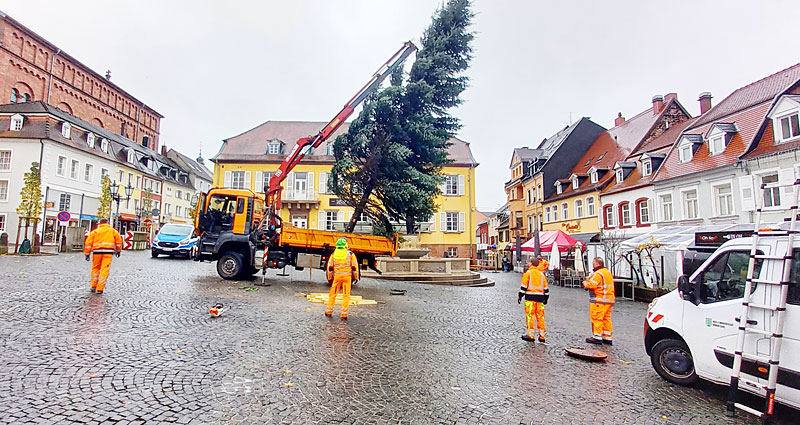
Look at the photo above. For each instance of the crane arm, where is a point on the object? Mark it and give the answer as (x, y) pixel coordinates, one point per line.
(304, 145)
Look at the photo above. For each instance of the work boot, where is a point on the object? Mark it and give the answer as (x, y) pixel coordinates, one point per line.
(343, 316)
(608, 342)
(593, 340)
(92, 289)
(329, 313)
(541, 338)
(528, 338)
(99, 292)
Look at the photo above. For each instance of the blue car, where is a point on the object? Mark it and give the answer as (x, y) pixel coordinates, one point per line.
(175, 240)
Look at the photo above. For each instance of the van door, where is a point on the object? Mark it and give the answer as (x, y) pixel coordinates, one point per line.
(788, 389)
(710, 328)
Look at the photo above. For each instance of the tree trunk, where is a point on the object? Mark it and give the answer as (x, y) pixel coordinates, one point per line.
(410, 224)
(362, 203)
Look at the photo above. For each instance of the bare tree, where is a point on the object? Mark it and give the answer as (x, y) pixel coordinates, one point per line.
(612, 245)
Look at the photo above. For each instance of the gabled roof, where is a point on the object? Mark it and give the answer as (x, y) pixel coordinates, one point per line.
(752, 94)
(764, 143)
(624, 164)
(525, 155)
(251, 145)
(194, 166)
(725, 127)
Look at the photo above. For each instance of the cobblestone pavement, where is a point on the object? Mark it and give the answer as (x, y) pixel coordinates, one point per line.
(147, 352)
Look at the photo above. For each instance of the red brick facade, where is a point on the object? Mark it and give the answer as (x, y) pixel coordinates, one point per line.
(26, 61)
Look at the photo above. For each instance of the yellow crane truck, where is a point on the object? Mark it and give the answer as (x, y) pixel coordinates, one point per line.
(242, 230)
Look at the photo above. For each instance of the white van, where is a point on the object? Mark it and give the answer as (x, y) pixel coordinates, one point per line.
(691, 332)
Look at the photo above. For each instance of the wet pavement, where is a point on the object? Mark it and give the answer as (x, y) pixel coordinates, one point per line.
(147, 351)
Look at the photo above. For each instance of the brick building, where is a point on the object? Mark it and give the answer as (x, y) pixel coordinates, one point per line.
(31, 69)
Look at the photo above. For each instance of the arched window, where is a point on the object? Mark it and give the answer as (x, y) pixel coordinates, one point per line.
(26, 97)
(14, 95)
(590, 206)
(578, 208)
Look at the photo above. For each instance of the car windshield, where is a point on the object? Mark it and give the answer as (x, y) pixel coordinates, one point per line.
(175, 230)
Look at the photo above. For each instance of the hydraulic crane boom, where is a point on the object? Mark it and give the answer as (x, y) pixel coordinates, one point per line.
(306, 144)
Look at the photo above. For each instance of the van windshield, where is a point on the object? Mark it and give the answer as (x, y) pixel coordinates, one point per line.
(175, 230)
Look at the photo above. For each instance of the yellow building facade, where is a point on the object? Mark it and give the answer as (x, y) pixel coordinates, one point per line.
(308, 202)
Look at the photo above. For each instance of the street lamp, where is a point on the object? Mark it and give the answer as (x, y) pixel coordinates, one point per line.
(117, 197)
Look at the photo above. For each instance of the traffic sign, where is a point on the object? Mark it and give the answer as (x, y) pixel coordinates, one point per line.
(147, 222)
(63, 216)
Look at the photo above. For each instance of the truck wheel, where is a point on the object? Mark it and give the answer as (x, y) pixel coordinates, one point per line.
(154, 253)
(673, 361)
(230, 265)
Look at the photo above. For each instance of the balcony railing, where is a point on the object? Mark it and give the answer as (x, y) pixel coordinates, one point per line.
(291, 195)
(366, 227)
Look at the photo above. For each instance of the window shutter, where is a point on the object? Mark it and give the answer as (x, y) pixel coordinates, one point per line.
(443, 221)
(461, 224)
(746, 187)
(259, 187)
(323, 182)
(227, 181)
(340, 215)
(248, 180)
(785, 179)
(320, 220)
(443, 186)
(290, 185)
(460, 185)
(310, 186)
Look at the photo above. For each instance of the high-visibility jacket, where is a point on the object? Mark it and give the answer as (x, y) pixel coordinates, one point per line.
(534, 286)
(338, 267)
(103, 240)
(601, 282)
(543, 265)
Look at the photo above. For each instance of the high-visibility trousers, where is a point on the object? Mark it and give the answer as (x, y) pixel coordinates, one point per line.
(340, 282)
(534, 318)
(601, 320)
(100, 268)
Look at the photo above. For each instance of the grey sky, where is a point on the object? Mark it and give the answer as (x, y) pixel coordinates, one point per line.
(216, 69)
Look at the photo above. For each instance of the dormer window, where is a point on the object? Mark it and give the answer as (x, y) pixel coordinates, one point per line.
(575, 183)
(593, 177)
(104, 145)
(90, 140)
(558, 188)
(131, 156)
(716, 145)
(785, 116)
(647, 167)
(274, 147)
(329, 149)
(66, 129)
(789, 127)
(16, 122)
(620, 175)
(685, 151)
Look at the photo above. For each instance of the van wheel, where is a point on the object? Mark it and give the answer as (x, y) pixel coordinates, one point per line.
(673, 361)
(230, 265)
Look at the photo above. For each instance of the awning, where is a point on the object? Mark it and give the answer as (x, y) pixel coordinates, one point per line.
(678, 238)
(587, 237)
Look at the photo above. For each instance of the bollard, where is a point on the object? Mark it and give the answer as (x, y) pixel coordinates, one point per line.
(4, 243)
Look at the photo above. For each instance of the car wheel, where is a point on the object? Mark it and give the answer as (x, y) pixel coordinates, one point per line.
(154, 253)
(230, 265)
(673, 361)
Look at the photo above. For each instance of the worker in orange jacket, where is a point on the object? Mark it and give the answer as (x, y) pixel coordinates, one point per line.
(342, 271)
(543, 264)
(534, 289)
(602, 298)
(101, 244)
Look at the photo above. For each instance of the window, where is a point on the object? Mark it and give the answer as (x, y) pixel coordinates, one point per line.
(138, 181)
(794, 278)
(590, 206)
(274, 149)
(26, 97)
(530, 197)
(575, 184)
(593, 177)
(103, 173)
(578, 208)
(300, 183)
(61, 166)
(790, 127)
(63, 202)
(16, 122)
(558, 188)
(716, 145)
(5, 160)
(647, 167)
(88, 172)
(330, 217)
(14, 95)
(625, 214)
(772, 193)
(104, 145)
(2, 222)
(329, 149)
(609, 213)
(451, 185)
(685, 152)
(73, 169)
(267, 176)
(168, 189)
(135, 204)
(66, 128)
(565, 211)
(555, 212)
(451, 222)
(620, 175)
(237, 180)
(90, 140)
(178, 193)
(644, 211)
(178, 211)
(146, 141)
(131, 156)
(121, 176)
(3, 190)
(130, 178)
(724, 199)
(725, 278)
(690, 204)
(157, 186)
(452, 252)
(547, 214)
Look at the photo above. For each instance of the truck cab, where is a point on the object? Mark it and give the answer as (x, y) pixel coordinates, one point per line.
(691, 332)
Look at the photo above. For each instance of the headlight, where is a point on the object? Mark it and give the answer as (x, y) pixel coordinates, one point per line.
(185, 241)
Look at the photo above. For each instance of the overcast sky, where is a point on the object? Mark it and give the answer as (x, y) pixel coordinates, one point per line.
(216, 69)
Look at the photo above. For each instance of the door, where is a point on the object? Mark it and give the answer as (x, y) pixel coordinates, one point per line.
(788, 389)
(301, 222)
(711, 326)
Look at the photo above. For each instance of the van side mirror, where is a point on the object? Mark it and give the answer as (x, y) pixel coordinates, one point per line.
(688, 291)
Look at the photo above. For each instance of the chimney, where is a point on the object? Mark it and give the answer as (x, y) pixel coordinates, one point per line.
(705, 102)
(658, 104)
(619, 119)
(164, 150)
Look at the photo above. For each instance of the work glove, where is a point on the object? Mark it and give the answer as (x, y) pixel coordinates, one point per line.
(519, 300)
(88, 257)
(117, 253)
(545, 300)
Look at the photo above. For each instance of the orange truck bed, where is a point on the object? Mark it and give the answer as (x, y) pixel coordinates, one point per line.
(359, 244)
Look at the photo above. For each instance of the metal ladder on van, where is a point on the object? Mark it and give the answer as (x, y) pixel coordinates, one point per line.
(776, 336)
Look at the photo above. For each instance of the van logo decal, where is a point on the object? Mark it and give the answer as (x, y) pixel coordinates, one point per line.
(708, 322)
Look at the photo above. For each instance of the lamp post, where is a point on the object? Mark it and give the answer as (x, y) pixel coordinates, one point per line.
(117, 197)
